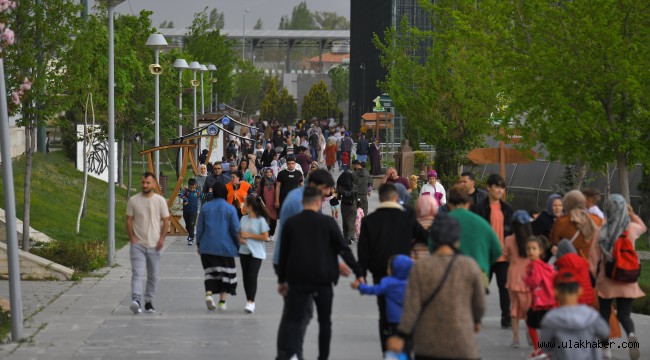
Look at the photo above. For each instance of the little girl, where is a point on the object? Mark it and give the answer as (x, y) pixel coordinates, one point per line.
(253, 232)
(539, 279)
(357, 221)
(515, 253)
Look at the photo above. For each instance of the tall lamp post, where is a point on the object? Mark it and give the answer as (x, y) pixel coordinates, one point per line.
(243, 35)
(363, 88)
(156, 41)
(195, 66)
(111, 132)
(212, 68)
(181, 65)
(202, 71)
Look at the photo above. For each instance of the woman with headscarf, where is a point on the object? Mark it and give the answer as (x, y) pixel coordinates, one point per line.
(543, 224)
(201, 176)
(275, 168)
(622, 225)
(577, 225)
(330, 153)
(415, 192)
(425, 210)
(347, 196)
(374, 154)
(266, 192)
(444, 300)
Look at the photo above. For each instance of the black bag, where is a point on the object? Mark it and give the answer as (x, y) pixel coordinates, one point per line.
(348, 197)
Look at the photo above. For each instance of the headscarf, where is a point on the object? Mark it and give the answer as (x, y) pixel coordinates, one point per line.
(413, 181)
(274, 167)
(426, 209)
(563, 248)
(617, 221)
(269, 183)
(575, 205)
(549, 204)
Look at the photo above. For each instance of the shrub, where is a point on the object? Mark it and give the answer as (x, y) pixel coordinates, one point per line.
(420, 158)
(82, 256)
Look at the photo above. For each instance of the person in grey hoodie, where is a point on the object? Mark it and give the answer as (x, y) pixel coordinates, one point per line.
(572, 331)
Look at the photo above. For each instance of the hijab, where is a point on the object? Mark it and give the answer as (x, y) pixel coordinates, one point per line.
(426, 209)
(575, 206)
(269, 183)
(617, 221)
(549, 204)
(274, 167)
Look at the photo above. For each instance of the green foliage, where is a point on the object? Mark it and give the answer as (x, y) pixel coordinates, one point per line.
(269, 104)
(166, 24)
(248, 87)
(287, 109)
(258, 25)
(318, 102)
(326, 20)
(420, 158)
(82, 256)
(303, 19)
(217, 19)
(340, 77)
(5, 324)
(642, 305)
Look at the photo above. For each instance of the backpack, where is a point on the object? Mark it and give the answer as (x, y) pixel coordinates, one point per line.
(625, 266)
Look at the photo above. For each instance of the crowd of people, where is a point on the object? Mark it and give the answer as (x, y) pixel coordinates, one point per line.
(432, 252)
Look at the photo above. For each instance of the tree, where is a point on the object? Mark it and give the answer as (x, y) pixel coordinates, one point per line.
(269, 104)
(248, 87)
(287, 109)
(258, 25)
(318, 102)
(578, 79)
(36, 55)
(216, 19)
(167, 24)
(301, 19)
(340, 77)
(442, 80)
(326, 20)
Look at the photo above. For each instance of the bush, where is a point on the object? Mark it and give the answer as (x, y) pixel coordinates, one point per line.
(82, 256)
(642, 304)
(5, 324)
(420, 158)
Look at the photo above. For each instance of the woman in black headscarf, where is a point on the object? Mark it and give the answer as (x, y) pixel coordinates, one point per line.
(544, 222)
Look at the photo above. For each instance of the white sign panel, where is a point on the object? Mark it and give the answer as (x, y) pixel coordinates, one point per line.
(96, 153)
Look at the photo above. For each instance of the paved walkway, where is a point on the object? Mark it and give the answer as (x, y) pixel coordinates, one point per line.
(91, 319)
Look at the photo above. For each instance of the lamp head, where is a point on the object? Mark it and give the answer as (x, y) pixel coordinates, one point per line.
(194, 65)
(203, 68)
(113, 2)
(156, 41)
(211, 67)
(180, 64)
(155, 69)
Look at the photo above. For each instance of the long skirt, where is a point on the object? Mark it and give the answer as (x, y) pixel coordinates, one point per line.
(220, 274)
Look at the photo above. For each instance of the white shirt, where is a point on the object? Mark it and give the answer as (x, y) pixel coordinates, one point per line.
(596, 211)
(428, 188)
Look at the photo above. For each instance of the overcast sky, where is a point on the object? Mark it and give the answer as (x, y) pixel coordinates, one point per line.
(181, 12)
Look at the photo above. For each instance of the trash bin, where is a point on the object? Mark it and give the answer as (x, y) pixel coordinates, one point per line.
(163, 184)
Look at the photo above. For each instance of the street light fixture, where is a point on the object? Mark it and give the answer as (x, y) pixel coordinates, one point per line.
(243, 35)
(202, 71)
(181, 65)
(156, 41)
(211, 68)
(195, 66)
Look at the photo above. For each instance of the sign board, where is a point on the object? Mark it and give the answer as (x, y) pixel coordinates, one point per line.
(385, 101)
(491, 156)
(373, 124)
(374, 116)
(96, 153)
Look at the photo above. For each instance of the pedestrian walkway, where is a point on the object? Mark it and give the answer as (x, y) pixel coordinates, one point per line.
(91, 319)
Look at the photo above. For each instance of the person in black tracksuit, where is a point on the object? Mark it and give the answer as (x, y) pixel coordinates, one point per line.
(496, 191)
(311, 244)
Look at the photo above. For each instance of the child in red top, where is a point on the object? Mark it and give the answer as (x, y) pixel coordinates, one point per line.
(345, 160)
(539, 279)
(569, 260)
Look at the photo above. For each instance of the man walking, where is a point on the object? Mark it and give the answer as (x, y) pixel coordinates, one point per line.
(468, 184)
(217, 176)
(499, 215)
(286, 181)
(362, 183)
(147, 221)
(362, 148)
(307, 269)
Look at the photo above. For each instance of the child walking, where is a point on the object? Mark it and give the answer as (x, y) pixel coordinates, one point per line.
(515, 253)
(253, 233)
(539, 279)
(190, 197)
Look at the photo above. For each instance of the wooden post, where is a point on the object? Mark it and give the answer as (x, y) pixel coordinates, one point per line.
(502, 155)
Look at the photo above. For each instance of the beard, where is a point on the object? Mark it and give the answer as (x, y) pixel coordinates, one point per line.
(146, 191)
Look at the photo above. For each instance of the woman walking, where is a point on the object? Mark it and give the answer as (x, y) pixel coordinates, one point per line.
(330, 153)
(217, 237)
(253, 233)
(266, 192)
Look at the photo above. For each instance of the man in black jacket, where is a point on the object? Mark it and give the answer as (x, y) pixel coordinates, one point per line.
(468, 183)
(388, 231)
(499, 214)
(307, 269)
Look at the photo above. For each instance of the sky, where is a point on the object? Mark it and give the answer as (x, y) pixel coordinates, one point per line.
(182, 12)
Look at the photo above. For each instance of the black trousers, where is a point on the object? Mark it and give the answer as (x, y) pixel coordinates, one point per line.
(349, 216)
(384, 327)
(293, 318)
(500, 269)
(623, 311)
(273, 223)
(190, 222)
(250, 268)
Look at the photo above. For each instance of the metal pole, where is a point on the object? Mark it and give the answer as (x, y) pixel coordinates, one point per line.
(202, 97)
(180, 111)
(10, 216)
(156, 52)
(210, 107)
(195, 123)
(243, 37)
(111, 140)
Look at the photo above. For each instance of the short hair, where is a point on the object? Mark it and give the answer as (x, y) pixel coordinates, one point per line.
(219, 191)
(191, 182)
(568, 288)
(321, 177)
(291, 157)
(592, 193)
(457, 196)
(237, 173)
(147, 174)
(387, 192)
(311, 194)
(469, 174)
(496, 180)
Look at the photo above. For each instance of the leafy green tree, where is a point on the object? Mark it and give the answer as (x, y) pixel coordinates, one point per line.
(318, 102)
(287, 109)
(340, 77)
(326, 20)
(36, 55)
(207, 45)
(578, 78)
(217, 19)
(258, 25)
(166, 24)
(301, 19)
(248, 87)
(270, 101)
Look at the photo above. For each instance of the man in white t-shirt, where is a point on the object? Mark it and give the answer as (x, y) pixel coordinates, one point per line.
(147, 221)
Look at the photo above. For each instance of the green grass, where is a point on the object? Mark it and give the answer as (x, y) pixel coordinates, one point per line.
(55, 198)
(642, 305)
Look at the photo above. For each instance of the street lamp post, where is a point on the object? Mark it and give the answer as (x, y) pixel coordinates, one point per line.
(363, 88)
(195, 66)
(203, 70)
(243, 35)
(181, 65)
(211, 68)
(156, 41)
(111, 132)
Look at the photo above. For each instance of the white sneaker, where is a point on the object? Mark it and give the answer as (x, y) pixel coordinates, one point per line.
(222, 306)
(271, 238)
(135, 307)
(634, 350)
(209, 301)
(249, 308)
(607, 353)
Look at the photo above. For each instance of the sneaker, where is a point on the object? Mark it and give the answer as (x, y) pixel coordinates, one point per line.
(537, 355)
(506, 323)
(271, 238)
(634, 350)
(515, 343)
(222, 305)
(607, 353)
(148, 308)
(249, 308)
(209, 301)
(135, 307)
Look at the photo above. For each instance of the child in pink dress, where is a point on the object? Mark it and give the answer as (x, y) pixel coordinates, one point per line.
(515, 253)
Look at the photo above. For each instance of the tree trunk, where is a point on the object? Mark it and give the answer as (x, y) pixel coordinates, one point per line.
(120, 163)
(608, 182)
(623, 178)
(30, 143)
(581, 172)
(128, 188)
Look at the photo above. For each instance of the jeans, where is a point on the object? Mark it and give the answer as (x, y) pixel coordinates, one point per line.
(250, 268)
(296, 306)
(500, 269)
(190, 222)
(143, 257)
(362, 158)
(312, 151)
